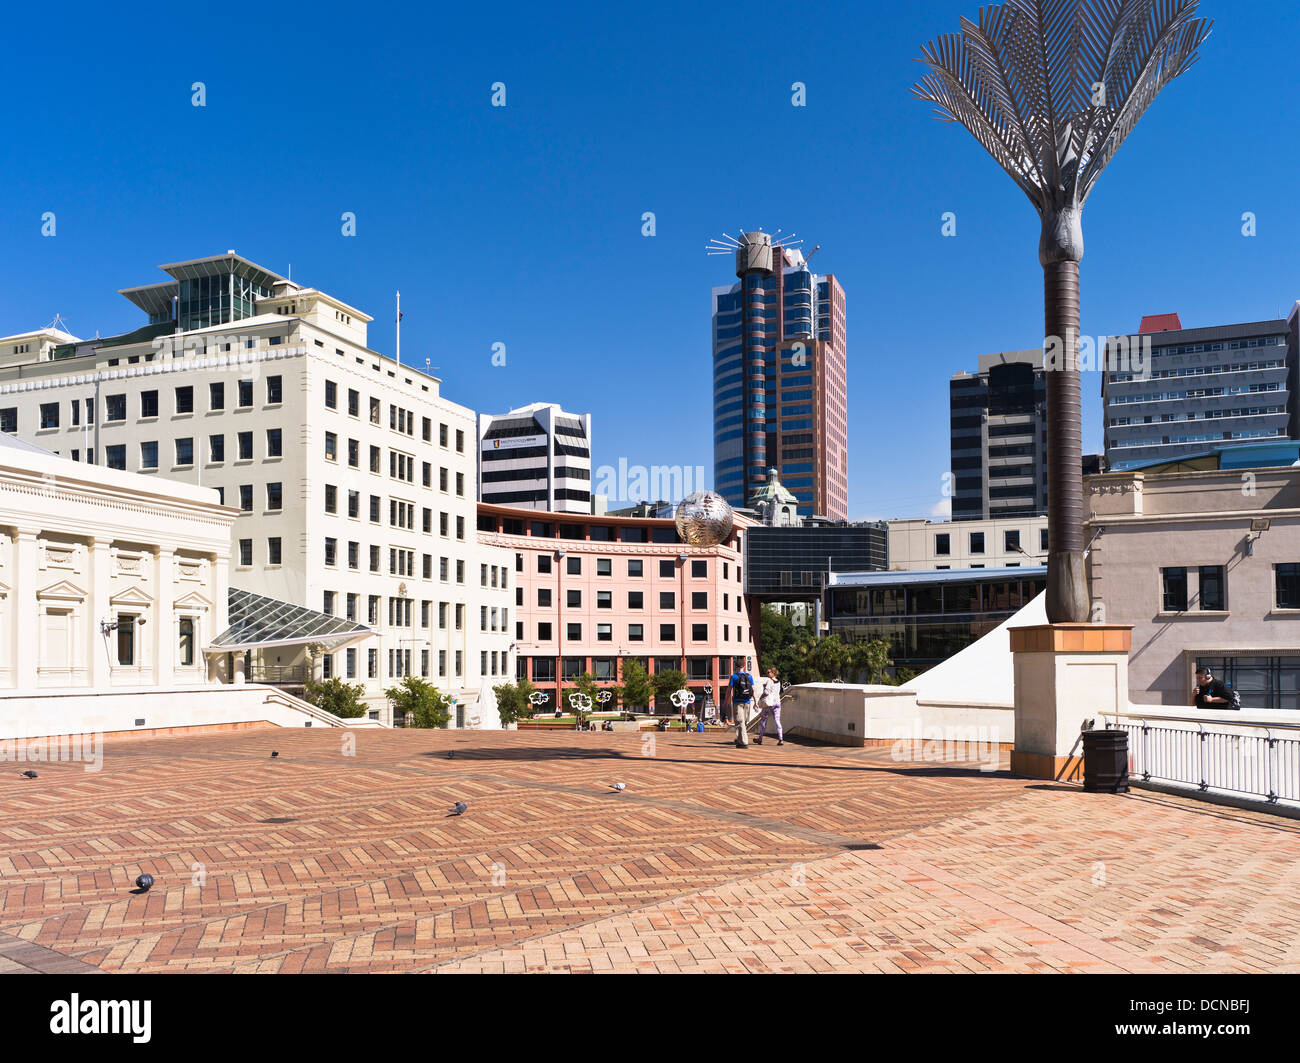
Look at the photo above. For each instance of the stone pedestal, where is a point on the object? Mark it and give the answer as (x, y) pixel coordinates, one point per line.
(1066, 675)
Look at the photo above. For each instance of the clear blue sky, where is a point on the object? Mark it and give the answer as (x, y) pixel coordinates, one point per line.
(522, 224)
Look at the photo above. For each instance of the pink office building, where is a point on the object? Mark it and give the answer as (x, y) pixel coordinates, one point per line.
(590, 591)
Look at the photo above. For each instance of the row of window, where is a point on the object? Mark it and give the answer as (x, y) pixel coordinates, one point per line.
(635, 632)
(183, 403)
(1010, 542)
(399, 419)
(635, 599)
(606, 668)
(399, 663)
(1212, 595)
(635, 566)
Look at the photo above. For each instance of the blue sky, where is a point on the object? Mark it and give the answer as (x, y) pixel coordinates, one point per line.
(522, 225)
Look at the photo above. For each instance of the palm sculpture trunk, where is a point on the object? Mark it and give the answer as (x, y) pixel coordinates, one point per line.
(1051, 89)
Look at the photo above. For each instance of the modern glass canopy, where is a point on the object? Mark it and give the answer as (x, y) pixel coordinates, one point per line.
(257, 621)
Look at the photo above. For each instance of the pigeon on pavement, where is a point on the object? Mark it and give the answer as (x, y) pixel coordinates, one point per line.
(144, 882)
(618, 787)
(28, 774)
(458, 809)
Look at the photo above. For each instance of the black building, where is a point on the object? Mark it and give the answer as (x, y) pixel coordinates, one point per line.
(793, 564)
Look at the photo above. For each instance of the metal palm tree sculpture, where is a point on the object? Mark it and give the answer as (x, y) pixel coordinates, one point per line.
(1051, 89)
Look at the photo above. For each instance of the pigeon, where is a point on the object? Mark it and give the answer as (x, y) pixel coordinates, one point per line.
(450, 754)
(274, 753)
(29, 774)
(618, 787)
(458, 809)
(144, 881)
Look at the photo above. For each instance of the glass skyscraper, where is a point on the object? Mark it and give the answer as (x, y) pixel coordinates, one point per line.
(780, 391)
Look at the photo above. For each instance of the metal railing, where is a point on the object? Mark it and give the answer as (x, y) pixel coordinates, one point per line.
(278, 674)
(1255, 760)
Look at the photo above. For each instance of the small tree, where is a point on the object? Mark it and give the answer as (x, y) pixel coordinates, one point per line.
(636, 689)
(666, 684)
(421, 699)
(512, 701)
(335, 696)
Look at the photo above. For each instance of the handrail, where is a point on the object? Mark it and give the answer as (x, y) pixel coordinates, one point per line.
(1201, 720)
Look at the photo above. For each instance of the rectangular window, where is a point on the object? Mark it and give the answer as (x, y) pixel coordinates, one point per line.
(149, 455)
(699, 632)
(1213, 586)
(667, 632)
(245, 393)
(331, 552)
(573, 599)
(1174, 598)
(216, 448)
(9, 420)
(636, 632)
(634, 567)
(273, 554)
(148, 406)
(125, 639)
(604, 566)
(274, 496)
(636, 599)
(667, 600)
(699, 569)
(604, 633)
(354, 403)
(185, 399)
(245, 552)
(115, 408)
(943, 544)
(185, 452)
(573, 566)
(573, 632)
(667, 569)
(1011, 541)
(543, 597)
(1042, 540)
(604, 599)
(274, 443)
(275, 389)
(185, 647)
(331, 498)
(331, 446)
(331, 395)
(699, 599)
(1288, 586)
(217, 396)
(245, 441)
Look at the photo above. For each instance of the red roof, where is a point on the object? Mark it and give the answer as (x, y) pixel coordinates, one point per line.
(1159, 323)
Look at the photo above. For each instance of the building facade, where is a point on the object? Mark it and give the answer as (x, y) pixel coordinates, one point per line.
(1206, 567)
(590, 592)
(1000, 542)
(107, 580)
(537, 457)
(353, 477)
(999, 437)
(788, 564)
(1224, 385)
(780, 383)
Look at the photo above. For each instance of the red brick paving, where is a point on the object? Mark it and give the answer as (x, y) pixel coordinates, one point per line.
(712, 859)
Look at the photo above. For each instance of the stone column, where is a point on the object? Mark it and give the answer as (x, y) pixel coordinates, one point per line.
(164, 617)
(1066, 675)
(99, 667)
(25, 609)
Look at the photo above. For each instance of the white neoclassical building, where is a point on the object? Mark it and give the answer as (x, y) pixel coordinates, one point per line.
(352, 478)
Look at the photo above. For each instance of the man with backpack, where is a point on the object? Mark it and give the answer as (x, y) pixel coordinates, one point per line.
(742, 701)
(1211, 693)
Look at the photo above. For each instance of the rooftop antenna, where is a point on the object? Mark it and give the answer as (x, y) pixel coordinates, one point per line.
(399, 328)
(59, 323)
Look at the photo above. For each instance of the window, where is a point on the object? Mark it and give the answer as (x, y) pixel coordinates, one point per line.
(9, 420)
(573, 632)
(604, 566)
(635, 599)
(544, 632)
(331, 395)
(699, 569)
(604, 633)
(148, 407)
(185, 646)
(460, 484)
(1011, 541)
(185, 451)
(149, 455)
(273, 554)
(543, 562)
(331, 552)
(1175, 589)
(1042, 540)
(331, 446)
(943, 544)
(699, 632)
(217, 396)
(604, 599)
(245, 441)
(1288, 586)
(574, 565)
(274, 496)
(245, 552)
(699, 599)
(354, 403)
(634, 567)
(667, 632)
(573, 599)
(636, 632)
(1212, 588)
(125, 639)
(666, 569)
(115, 408)
(185, 399)
(216, 448)
(115, 456)
(275, 387)
(667, 600)
(331, 498)
(374, 509)
(274, 443)
(245, 393)
(374, 411)
(460, 441)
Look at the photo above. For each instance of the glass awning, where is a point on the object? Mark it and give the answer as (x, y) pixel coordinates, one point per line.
(258, 621)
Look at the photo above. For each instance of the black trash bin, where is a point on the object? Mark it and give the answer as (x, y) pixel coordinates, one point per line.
(1105, 762)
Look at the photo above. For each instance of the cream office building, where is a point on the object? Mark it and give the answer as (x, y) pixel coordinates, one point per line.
(996, 542)
(354, 478)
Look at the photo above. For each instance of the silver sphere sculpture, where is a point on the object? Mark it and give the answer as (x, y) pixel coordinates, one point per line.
(703, 518)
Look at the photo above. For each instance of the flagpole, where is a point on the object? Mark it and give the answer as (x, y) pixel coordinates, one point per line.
(399, 328)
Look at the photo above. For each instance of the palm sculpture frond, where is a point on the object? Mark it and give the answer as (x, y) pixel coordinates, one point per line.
(1051, 89)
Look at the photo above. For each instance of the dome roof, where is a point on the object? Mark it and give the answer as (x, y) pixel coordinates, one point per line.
(773, 491)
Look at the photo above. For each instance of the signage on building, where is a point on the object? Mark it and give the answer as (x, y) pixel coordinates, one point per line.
(514, 442)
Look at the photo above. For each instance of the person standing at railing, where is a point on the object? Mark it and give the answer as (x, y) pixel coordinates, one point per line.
(1210, 693)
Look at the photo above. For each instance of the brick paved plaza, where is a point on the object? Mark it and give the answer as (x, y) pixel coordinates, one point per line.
(794, 858)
